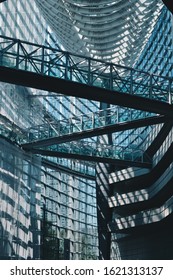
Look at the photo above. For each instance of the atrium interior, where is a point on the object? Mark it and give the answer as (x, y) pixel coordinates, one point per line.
(86, 130)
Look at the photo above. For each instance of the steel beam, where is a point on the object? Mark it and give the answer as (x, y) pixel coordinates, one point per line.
(70, 88)
(96, 132)
(90, 158)
(55, 166)
(168, 4)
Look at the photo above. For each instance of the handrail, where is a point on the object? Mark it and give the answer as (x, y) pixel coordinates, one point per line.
(85, 122)
(99, 150)
(53, 62)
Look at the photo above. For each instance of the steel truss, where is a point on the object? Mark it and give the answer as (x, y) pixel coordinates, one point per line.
(50, 62)
(53, 69)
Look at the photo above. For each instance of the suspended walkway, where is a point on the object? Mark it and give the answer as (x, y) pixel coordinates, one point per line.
(45, 68)
(107, 121)
(97, 152)
(42, 67)
(15, 134)
(85, 170)
(81, 150)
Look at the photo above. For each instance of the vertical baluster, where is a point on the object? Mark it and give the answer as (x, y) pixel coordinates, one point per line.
(111, 76)
(17, 58)
(66, 65)
(42, 60)
(89, 71)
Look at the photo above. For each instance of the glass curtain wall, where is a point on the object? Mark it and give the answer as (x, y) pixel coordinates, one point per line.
(68, 202)
(156, 58)
(158, 53)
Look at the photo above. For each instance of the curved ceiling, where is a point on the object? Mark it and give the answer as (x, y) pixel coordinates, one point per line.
(105, 29)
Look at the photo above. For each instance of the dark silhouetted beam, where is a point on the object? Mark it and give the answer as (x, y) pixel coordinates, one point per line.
(159, 139)
(90, 158)
(168, 4)
(97, 131)
(70, 88)
(55, 166)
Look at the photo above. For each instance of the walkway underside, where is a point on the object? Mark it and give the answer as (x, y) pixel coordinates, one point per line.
(79, 173)
(96, 132)
(91, 158)
(41, 67)
(70, 88)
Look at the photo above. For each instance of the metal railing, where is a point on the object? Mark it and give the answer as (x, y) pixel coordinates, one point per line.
(99, 150)
(85, 148)
(85, 122)
(71, 165)
(48, 61)
(16, 135)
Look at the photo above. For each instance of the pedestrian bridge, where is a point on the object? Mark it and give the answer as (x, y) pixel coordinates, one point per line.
(46, 68)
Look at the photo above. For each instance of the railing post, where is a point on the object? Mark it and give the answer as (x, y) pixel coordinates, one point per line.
(82, 123)
(71, 123)
(17, 58)
(93, 120)
(42, 60)
(111, 76)
(59, 127)
(66, 66)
